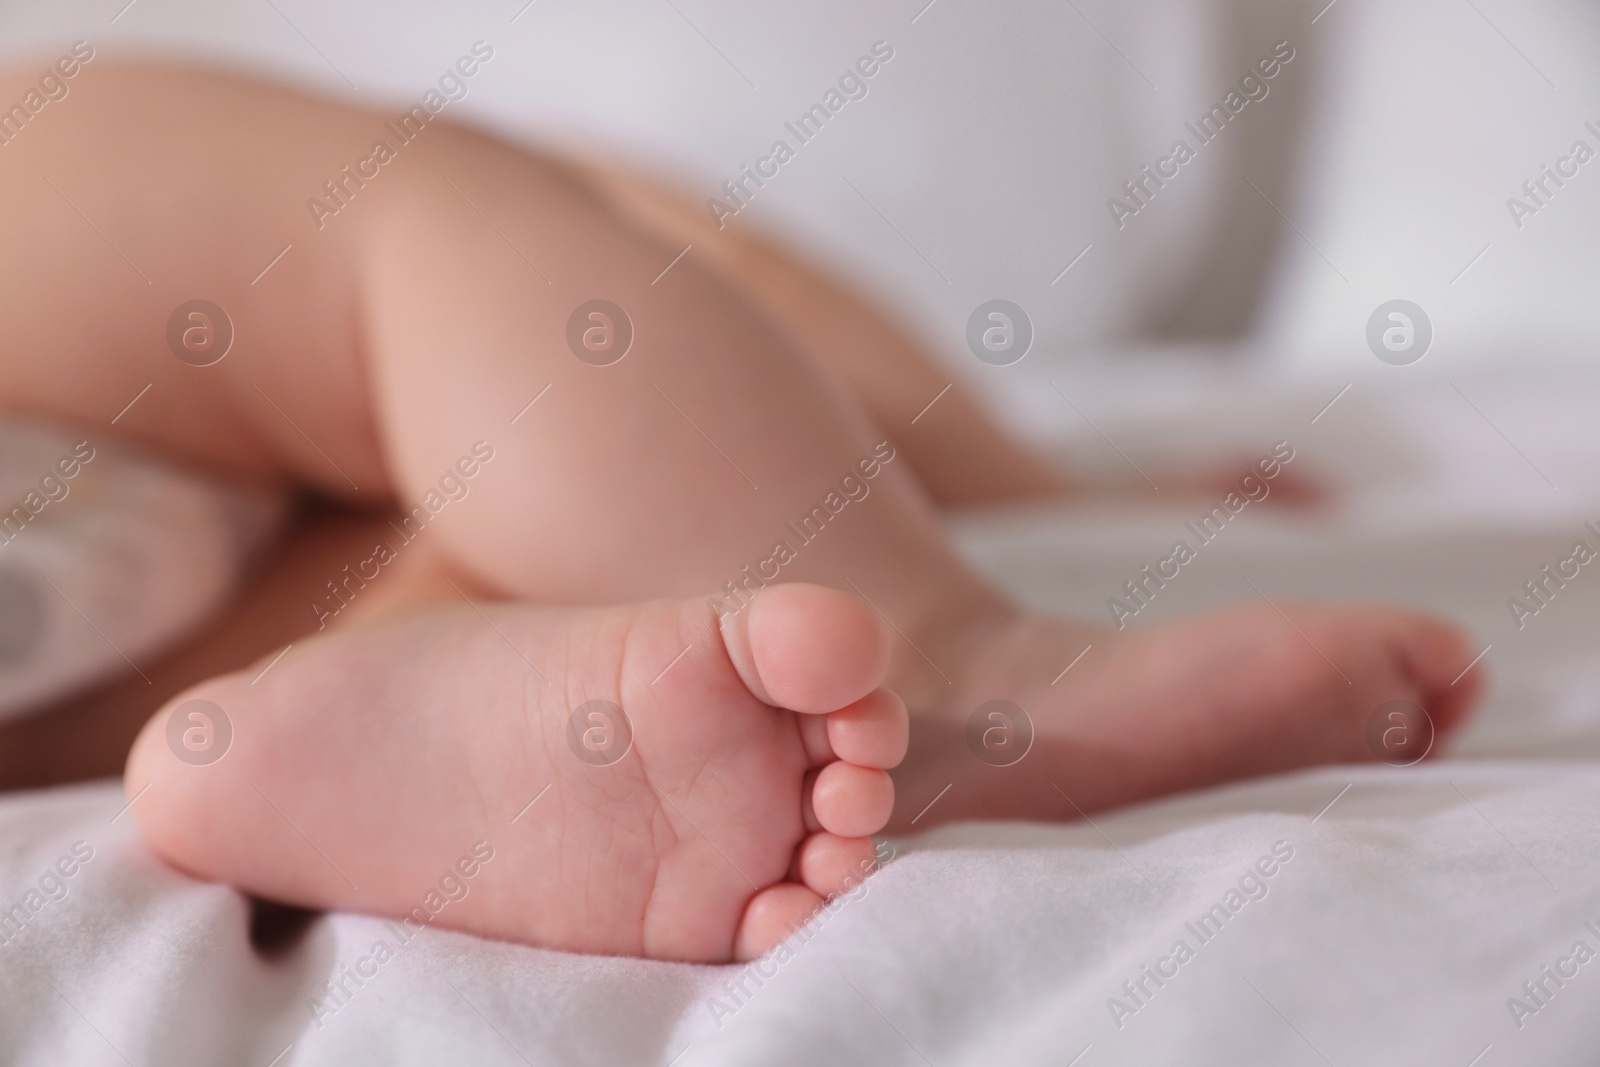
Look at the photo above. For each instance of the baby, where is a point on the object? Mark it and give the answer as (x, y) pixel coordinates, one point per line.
(638, 591)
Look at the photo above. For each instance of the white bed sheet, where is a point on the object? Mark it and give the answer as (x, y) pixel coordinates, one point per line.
(1411, 911)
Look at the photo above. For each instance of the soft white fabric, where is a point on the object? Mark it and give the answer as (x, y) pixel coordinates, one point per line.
(1413, 159)
(1411, 910)
(108, 557)
(984, 154)
(977, 166)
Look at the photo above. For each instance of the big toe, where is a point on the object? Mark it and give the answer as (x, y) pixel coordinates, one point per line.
(1445, 666)
(808, 648)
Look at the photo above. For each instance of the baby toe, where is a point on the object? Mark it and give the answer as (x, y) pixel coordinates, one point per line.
(829, 864)
(852, 801)
(772, 915)
(808, 648)
(872, 732)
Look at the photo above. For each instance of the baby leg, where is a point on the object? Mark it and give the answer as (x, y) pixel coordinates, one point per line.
(674, 468)
(444, 305)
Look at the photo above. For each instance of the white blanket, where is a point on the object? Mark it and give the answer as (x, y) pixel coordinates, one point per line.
(1377, 915)
(1405, 919)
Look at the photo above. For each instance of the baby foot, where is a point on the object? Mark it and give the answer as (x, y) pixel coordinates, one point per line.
(1245, 692)
(632, 780)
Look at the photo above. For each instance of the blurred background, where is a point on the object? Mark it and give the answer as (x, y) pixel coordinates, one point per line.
(980, 162)
(983, 158)
(1231, 309)
(1379, 162)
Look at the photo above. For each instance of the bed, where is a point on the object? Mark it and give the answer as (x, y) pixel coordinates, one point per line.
(1447, 912)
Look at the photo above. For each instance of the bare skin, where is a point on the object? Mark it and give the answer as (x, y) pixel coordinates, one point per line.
(961, 458)
(421, 319)
(758, 754)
